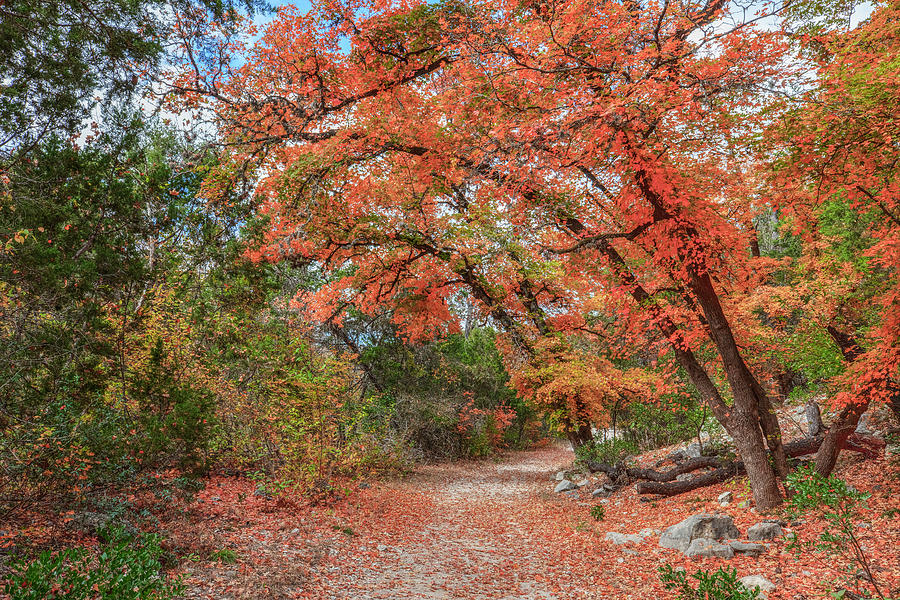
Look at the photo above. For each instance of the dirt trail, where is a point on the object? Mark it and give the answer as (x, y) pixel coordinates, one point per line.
(476, 537)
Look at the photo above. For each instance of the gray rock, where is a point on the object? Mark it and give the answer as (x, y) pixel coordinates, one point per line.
(693, 450)
(583, 482)
(708, 547)
(600, 492)
(753, 550)
(623, 538)
(684, 477)
(711, 526)
(767, 530)
(561, 475)
(758, 582)
(862, 425)
(564, 486)
(725, 498)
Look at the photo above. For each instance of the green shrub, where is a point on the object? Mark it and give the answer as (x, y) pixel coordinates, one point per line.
(651, 426)
(598, 512)
(176, 418)
(839, 505)
(607, 451)
(123, 569)
(224, 555)
(721, 584)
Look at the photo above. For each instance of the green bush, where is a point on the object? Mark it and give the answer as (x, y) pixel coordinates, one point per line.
(123, 569)
(651, 426)
(176, 419)
(598, 512)
(721, 584)
(838, 504)
(610, 452)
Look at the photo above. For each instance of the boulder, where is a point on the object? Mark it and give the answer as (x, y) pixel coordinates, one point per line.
(767, 530)
(710, 526)
(708, 547)
(757, 582)
(560, 475)
(725, 498)
(583, 482)
(748, 549)
(564, 486)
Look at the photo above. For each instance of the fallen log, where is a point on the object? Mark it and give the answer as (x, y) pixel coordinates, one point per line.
(614, 472)
(665, 483)
(673, 488)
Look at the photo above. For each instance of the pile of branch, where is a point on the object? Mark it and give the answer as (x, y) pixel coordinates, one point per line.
(665, 483)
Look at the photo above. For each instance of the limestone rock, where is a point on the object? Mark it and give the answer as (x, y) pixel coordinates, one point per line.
(564, 486)
(759, 582)
(749, 549)
(704, 525)
(623, 538)
(767, 530)
(708, 547)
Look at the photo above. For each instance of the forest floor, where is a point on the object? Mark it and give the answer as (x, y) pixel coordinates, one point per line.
(491, 530)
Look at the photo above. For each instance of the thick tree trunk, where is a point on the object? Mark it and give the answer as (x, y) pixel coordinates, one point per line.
(753, 413)
(749, 442)
(845, 422)
(768, 421)
(842, 428)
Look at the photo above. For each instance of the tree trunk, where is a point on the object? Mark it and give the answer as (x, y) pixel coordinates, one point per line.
(579, 435)
(785, 382)
(749, 442)
(843, 426)
(741, 421)
(845, 422)
(753, 412)
(768, 421)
